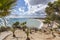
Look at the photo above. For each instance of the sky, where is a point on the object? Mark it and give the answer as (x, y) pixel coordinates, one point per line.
(29, 9)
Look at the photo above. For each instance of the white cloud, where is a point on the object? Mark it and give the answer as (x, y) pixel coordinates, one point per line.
(21, 10)
(36, 2)
(34, 7)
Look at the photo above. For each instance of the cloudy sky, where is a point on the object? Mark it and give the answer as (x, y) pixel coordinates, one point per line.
(29, 9)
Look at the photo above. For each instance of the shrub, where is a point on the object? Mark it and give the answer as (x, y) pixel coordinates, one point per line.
(59, 26)
(2, 28)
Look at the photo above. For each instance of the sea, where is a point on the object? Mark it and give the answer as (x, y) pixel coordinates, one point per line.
(30, 22)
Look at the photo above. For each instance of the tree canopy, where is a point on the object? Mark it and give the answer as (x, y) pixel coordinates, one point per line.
(5, 6)
(53, 10)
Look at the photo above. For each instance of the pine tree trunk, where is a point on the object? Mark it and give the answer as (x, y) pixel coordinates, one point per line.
(14, 35)
(52, 23)
(28, 38)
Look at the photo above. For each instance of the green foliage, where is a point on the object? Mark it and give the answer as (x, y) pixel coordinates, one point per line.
(53, 11)
(5, 6)
(19, 26)
(23, 23)
(50, 4)
(16, 25)
(47, 20)
(2, 29)
(59, 26)
(23, 26)
(49, 10)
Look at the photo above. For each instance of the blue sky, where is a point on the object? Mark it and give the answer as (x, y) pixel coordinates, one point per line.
(20, 4)
(29, 8)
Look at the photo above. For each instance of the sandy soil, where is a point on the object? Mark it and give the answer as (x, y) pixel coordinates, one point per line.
(34, 36)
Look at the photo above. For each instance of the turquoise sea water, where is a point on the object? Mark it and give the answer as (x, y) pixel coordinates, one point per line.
(30, 22)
